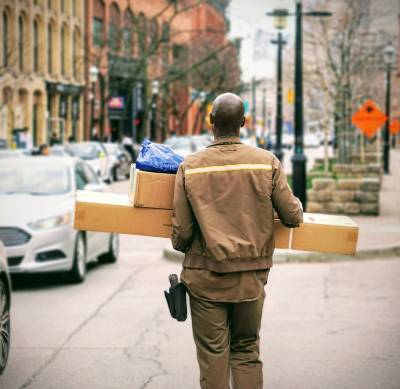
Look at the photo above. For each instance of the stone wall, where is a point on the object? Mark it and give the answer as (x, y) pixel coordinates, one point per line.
(350, 196)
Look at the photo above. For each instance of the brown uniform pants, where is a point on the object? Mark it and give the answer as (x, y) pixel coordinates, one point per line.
(227, 339)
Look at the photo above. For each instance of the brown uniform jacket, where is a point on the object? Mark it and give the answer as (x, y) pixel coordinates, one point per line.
(224, 204)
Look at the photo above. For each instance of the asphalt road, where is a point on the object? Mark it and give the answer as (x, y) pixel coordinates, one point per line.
(330, 325)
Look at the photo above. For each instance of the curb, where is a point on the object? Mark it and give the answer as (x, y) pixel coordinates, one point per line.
(289, 256)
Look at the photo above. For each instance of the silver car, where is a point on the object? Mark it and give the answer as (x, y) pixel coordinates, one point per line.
(36, 214)
(95, 154)
(5, 306)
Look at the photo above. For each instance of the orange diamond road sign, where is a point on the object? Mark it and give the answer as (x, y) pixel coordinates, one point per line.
(369, 118)
(394, 126)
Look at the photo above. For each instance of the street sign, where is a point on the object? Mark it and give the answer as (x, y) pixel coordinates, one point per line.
(369, 118)
(394, 126)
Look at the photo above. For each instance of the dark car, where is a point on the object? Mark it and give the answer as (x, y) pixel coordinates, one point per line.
(5, 304)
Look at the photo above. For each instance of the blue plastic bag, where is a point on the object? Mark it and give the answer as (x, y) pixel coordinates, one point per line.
(155, 157)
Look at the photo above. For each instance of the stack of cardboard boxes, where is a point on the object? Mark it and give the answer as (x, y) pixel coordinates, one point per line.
(147, 210)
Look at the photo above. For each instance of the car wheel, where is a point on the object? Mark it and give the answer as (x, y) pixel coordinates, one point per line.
(4, 326)
(78, 271)
(110, 177)
(113, 250)
(115, 173)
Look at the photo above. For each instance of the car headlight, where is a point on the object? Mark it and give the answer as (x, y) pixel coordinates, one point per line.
(51, 222)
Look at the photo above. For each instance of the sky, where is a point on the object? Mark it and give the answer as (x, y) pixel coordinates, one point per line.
(247, 16)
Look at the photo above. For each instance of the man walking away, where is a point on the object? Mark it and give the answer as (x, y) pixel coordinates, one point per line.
(224, 204)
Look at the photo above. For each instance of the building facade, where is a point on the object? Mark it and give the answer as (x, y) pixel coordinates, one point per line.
(117, 75)
(41, 70)
(132, 47)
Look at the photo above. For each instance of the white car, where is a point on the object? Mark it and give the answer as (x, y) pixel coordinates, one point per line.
(36, 215)
(311, 140)
(5, 307)
(95, 154)
(182, 145)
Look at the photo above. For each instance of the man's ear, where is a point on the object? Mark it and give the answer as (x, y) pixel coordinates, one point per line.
(243, 122)
(211, 118)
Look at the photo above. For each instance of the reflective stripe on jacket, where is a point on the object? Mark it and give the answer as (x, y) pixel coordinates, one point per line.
(224, 204)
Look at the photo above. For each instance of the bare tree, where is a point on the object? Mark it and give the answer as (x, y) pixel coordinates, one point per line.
(163, 53)
(346, 64)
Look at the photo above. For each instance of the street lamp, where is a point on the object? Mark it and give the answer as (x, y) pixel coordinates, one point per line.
(388, 56)
(280, 21)
(299, 160)
(155, 90)
(93, 75)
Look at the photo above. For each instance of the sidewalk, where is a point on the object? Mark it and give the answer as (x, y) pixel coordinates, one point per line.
(379, 236)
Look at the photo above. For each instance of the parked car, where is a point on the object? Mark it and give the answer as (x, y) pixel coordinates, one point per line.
(119, 159)
(95, 154)
(182, 145)
(200, 142)
(9, 153)
(58, 151)
(311, 140)
(36, 212)
(5, 307)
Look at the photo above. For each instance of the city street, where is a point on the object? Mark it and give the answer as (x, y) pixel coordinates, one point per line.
(331, 325)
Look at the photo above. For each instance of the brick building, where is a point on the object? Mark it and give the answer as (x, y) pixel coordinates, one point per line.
(41, 69)
(131, 73)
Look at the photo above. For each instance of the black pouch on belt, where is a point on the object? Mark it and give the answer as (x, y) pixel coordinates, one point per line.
(176, 298)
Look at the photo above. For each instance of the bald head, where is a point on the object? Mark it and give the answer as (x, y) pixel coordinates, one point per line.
(227, 114)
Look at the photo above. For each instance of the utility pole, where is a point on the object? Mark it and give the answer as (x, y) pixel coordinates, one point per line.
(299, 160)
(386, 142)
(280, 42)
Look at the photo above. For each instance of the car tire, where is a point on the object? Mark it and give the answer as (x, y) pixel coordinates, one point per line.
(111, 256)
(110, 177)
(78, 272)
(5, 325)
(115, 173)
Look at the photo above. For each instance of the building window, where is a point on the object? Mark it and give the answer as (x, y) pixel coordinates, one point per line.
(62, 6)
(49, 4)
(74, 7)
(49, 49)
(21, 42)
(142, 33)
(35, 46)
(5, 39)
(127, 32)
(114, 33)
(74, 52)
(98, 32)
(63, 50)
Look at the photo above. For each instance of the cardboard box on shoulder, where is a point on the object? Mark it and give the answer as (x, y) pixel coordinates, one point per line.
(151, 190)
(106, 212)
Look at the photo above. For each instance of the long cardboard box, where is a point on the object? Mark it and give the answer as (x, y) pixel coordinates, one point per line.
(108, 212)
(325, 234)
(151, 190)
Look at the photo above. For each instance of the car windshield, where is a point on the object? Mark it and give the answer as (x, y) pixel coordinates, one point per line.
(34, 179)
(111, 149)
(83, 151)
